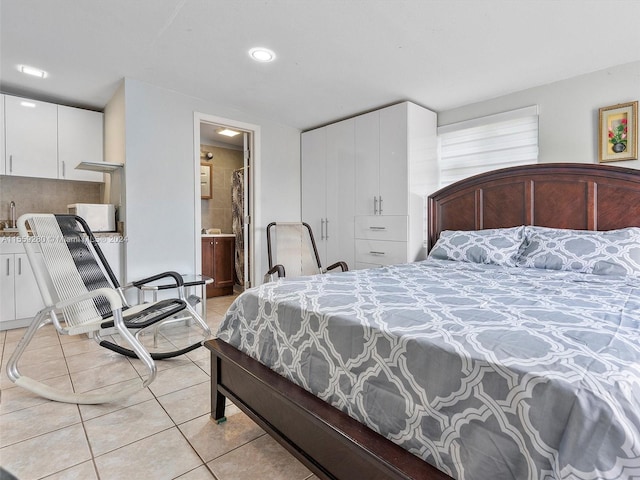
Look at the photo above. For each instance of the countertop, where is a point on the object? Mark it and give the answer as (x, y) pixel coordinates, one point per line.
(214, 235)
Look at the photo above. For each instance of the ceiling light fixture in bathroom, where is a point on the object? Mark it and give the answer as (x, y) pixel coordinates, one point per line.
(227, 132)
(260, 54)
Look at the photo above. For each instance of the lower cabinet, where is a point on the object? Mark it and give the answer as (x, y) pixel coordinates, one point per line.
(20, 297)
(218, 263)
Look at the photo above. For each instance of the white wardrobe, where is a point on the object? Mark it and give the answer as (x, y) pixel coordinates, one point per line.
(365, 182)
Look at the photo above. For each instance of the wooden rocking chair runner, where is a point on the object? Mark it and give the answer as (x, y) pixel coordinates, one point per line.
(82, 295)
(295, 253)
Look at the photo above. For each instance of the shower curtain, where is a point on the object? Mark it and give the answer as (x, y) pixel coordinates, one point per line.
(237, 218)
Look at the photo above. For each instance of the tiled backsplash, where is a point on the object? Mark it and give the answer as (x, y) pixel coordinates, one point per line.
(40, 195)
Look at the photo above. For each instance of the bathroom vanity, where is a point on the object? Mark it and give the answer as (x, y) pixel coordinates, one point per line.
(218, 262)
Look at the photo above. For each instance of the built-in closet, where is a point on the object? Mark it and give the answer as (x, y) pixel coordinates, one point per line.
(364, 185)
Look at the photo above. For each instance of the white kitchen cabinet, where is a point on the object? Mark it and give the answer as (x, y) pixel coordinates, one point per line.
(7, 288)
(19, 294)
(112, 248)
(80, 138)
(2, 145)
(46, 140)
(328, 177)
(31, 138)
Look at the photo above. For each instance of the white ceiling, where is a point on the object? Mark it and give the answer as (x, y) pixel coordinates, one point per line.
(336, 58)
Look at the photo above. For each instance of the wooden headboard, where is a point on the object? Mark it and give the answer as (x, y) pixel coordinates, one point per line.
(562, 195)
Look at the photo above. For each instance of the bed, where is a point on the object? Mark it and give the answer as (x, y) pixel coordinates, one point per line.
(521, 363)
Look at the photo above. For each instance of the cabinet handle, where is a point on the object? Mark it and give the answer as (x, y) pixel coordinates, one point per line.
(64, 170)
(326, 228)
(375, 205)
(8, 268)
(10, 163)
(376, 253)
(380, 206)
(377, 228)
(19, 265)
(322, 229)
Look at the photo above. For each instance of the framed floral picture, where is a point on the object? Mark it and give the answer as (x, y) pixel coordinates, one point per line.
(618, 138)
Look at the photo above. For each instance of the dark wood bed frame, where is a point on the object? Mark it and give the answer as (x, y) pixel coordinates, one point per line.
(333, 445)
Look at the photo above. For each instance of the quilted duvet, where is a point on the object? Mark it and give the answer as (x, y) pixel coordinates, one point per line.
(486, 372)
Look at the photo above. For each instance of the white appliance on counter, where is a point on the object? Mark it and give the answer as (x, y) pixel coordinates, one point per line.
(101, 217)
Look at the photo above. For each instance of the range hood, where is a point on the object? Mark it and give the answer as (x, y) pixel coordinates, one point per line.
(104, 167)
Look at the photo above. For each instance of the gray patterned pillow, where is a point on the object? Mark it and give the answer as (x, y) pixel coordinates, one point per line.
(499, 246)
(613, 252)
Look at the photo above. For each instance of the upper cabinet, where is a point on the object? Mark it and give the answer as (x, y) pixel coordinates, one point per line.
(46, 140)
(31, 138)
(80, 139)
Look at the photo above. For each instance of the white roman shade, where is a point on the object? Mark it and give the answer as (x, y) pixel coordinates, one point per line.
(487, 143)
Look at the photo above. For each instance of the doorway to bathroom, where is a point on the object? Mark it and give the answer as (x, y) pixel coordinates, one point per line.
(224, 206)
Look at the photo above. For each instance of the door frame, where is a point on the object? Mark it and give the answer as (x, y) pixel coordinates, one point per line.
(254, 244)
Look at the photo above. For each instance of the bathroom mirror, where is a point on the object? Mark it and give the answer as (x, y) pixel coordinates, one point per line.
(206, 190)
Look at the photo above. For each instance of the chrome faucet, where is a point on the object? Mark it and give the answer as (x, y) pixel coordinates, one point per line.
(12, 213)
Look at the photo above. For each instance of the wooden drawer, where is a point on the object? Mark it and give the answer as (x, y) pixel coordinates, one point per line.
(382, 227)
(380, 252)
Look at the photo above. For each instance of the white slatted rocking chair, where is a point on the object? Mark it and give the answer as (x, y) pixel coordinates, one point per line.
(82, 296)
(292, 251)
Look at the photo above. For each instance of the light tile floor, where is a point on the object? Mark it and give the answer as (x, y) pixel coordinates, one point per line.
(162, 432)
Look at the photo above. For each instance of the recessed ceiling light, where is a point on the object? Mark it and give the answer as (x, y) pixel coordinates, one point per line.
(35, 72)
(227, 132)
(260, 54)
(28, 104)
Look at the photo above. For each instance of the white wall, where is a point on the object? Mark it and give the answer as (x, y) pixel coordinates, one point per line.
(160, 183)
(568, 121)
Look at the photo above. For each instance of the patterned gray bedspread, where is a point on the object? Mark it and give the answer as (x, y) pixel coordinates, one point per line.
(485, 372)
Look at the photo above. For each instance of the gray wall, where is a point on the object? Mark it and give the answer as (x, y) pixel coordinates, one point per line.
(568, 109)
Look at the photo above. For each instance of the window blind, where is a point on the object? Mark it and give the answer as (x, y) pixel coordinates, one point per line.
(488, 143)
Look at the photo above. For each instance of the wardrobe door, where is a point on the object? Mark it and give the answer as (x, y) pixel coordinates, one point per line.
(367, 163)
(340, 193)
(314, 175)
(394, 173)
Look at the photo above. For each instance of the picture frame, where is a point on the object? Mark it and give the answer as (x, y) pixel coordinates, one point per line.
(206, 186)
(618, 132)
